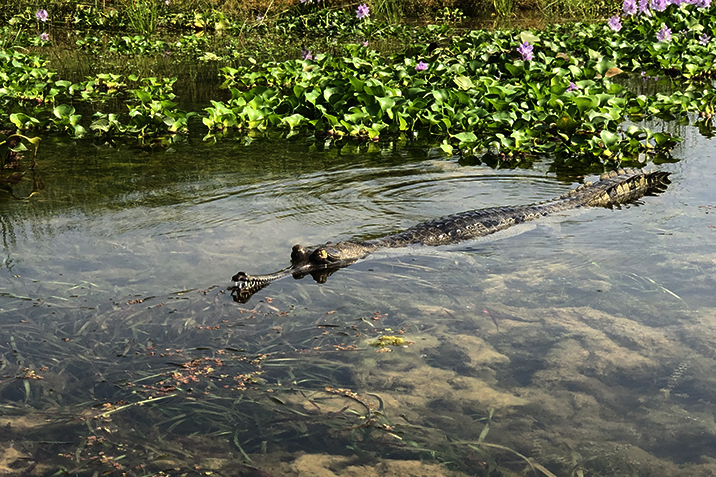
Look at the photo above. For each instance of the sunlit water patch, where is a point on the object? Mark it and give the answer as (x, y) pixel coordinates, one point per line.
(583, 343)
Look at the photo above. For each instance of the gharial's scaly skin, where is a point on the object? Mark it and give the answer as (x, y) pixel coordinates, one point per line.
(614, 188)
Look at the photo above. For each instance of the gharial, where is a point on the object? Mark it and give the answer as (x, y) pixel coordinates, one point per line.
(612, 189)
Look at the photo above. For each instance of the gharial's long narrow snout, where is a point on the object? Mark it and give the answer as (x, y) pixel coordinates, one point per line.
(319, 262)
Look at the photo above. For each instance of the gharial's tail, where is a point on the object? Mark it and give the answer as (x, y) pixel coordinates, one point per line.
(620, 187)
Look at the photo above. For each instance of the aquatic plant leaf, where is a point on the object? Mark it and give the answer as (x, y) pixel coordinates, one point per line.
(466, 137)
(530, 37)
(464, 82)
(585, 103)
(609, 138)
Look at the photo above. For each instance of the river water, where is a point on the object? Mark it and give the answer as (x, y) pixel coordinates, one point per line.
(582, 345)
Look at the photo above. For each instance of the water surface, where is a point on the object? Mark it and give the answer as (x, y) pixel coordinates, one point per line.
(583, 343)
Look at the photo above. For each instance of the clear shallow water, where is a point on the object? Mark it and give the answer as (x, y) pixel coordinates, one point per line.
(588, 338)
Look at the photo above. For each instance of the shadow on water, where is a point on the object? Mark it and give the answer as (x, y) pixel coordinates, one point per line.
(583, 345)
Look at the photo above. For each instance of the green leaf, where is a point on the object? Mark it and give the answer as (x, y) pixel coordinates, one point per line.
(566, 123)
(609, 138)
(142, 96)
(528, 36)
(441, 96)
(515, 70)
(312, 95)
(63, 111)
(100, 125)
(466, 137)
(356, 84)
(386, 103)
(294, 120)
(464, 82)
(585, 103)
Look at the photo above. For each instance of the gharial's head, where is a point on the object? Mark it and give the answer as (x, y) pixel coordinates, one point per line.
(305, 260)
(320, 262)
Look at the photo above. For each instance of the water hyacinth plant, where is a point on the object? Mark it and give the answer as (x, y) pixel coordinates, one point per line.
(644, 8)
(663, 35)
(363, 12)
(471, 95)
(630, 7)
(525, 49)
(614, 23)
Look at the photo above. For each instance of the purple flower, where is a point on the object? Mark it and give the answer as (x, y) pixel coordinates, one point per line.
(658, 5)
(362, 12)
(629, 7)
(421, 66)
(664, 34)
(365, 43)
(614, 23)
(572, 87)
(704, 39)
(42, 15)
(306, 55)
(702, 3)
(45, 37)
(525, 49)
(644, 7)
(259, 18)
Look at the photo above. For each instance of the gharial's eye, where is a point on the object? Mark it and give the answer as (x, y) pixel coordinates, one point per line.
(320, 255)
(298, 253)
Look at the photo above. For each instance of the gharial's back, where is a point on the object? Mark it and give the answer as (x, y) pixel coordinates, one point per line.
(612, 189)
